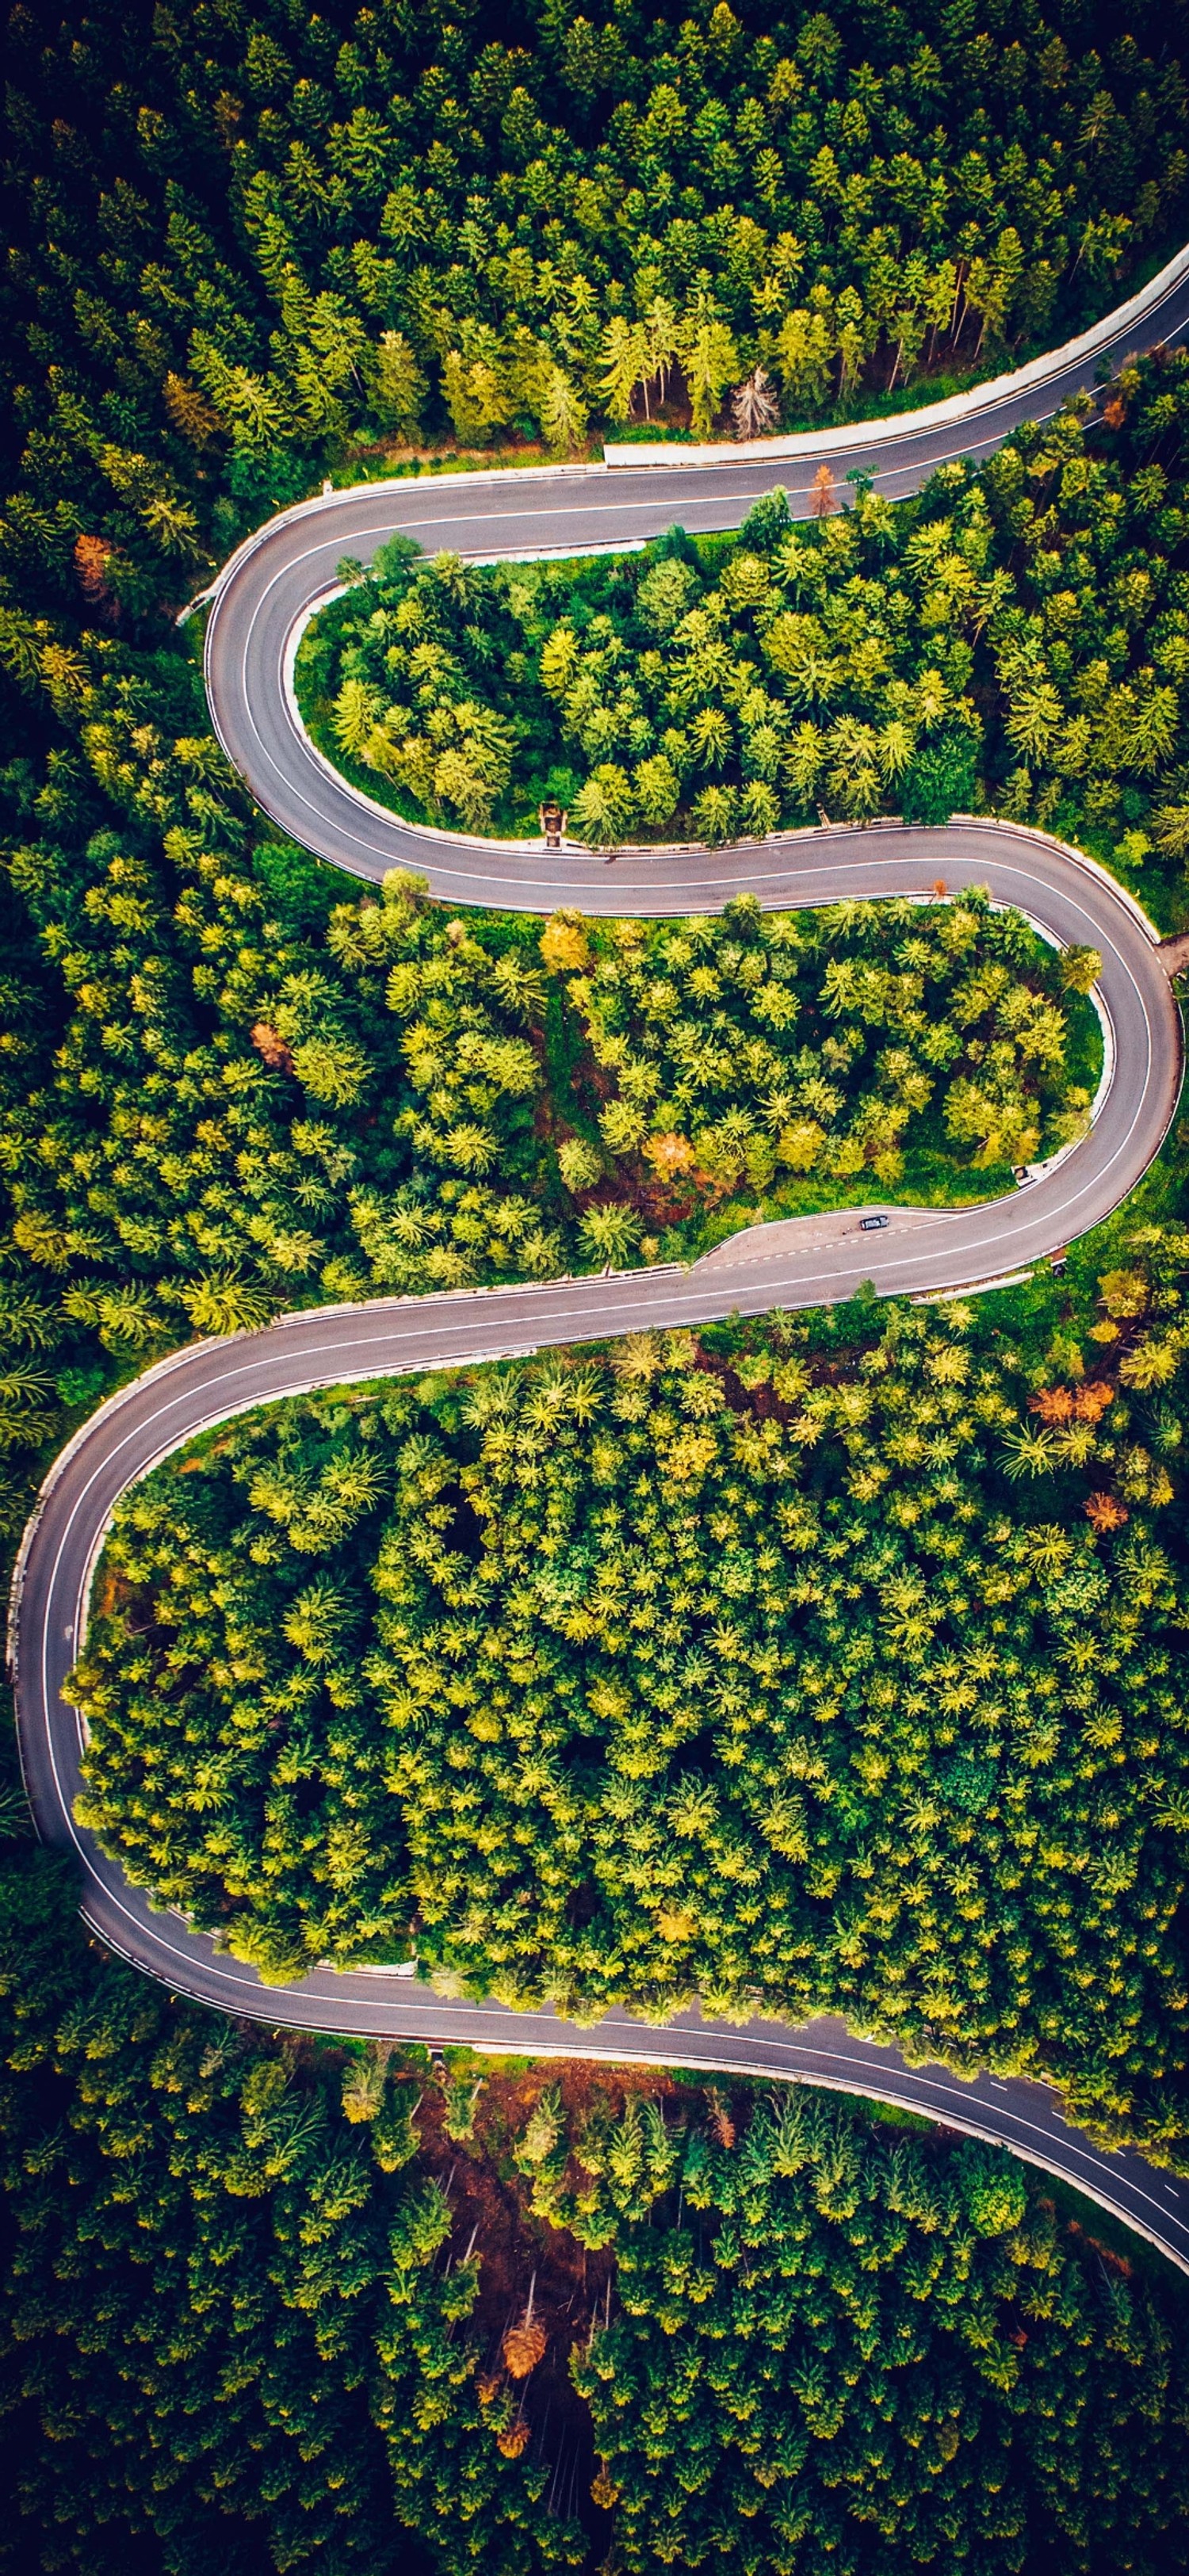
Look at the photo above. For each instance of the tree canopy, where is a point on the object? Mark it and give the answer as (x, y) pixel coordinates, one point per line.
(223, 1091)
(833, 1663)
(819, 1665)
(286, 2304)
(1014, 639)
(244, 248)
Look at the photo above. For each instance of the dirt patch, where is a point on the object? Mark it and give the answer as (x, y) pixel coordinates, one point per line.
(1108, 2255)
(492, 2196)
(524, 2258)
(113, 1592)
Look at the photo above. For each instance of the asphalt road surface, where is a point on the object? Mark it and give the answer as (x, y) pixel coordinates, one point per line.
(268, 587)
(263, 596)
(811, 1260)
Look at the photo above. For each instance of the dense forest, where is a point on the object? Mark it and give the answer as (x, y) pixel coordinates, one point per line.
(165, 1169)
(248, 246)
(290, 2304)
(831, 1663)
(1016, 638)
(223, 1091)
(199, 1036)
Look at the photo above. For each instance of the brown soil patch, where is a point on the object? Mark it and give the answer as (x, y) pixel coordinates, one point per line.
(518, 2252)
(114, 1593)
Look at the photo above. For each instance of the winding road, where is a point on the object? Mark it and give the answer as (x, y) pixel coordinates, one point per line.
(260, 603)
(271, 584)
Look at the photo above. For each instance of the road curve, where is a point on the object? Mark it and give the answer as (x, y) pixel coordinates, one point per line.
(803, 1263)
(259, 604)
(268, 587)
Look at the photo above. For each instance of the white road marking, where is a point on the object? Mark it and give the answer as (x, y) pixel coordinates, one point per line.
(198, 1388)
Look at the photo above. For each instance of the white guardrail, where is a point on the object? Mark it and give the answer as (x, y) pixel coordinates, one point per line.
(910, 424)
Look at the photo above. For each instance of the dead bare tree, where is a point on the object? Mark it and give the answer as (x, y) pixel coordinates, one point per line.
(754, 407)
